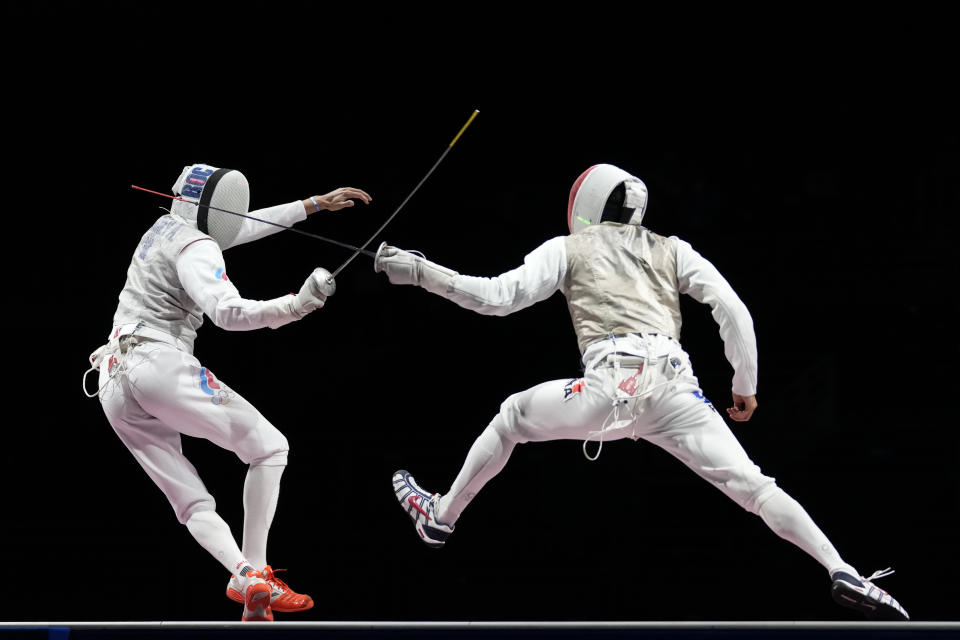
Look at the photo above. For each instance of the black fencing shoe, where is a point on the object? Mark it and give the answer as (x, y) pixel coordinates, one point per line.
(864, 596)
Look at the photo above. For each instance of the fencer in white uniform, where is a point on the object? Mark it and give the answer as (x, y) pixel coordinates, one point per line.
(153, 390)
(622, 283)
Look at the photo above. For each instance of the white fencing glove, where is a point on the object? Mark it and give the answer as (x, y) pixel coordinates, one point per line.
(405, 267)
(314, 292)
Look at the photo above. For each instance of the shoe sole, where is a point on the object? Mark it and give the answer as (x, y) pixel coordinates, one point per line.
(257, 604)
(430, 542)
(846, 596)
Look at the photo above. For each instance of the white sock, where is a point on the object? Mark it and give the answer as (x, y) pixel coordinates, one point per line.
(261, 489)
(790, 521)
(213, 534)
(486, 458)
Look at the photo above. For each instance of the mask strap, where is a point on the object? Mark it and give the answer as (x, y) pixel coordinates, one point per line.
(206, 197)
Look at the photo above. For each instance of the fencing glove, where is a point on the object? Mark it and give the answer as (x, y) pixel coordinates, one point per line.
(405, 267)
(314, 292)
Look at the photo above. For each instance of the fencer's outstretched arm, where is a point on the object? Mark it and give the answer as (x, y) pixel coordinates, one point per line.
(698, 278)
(337, 199)
(202, 273)
(536, 279)
(291, 213)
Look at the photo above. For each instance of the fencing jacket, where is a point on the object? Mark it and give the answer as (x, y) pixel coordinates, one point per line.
(620, 279)
(177, 274)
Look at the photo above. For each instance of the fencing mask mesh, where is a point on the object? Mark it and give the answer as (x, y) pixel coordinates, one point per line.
(208, 190)
(605, 193)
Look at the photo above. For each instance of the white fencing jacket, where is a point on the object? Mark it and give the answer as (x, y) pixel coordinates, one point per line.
(177, 274)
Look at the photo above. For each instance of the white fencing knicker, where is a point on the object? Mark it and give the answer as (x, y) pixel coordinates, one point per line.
(152, 390)
(652, 395)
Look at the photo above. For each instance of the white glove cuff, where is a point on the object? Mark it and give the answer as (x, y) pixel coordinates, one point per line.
(434, 278)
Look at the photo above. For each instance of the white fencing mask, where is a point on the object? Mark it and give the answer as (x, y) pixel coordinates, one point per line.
(605, 193)
(212, 192)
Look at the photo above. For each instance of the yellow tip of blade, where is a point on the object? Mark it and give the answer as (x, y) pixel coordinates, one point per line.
(464, 128)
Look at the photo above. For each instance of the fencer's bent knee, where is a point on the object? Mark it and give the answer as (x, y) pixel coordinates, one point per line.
(269, 449)
(509, 422)
(748, 487)
(763, 496)
(197, 506)
(276, 459)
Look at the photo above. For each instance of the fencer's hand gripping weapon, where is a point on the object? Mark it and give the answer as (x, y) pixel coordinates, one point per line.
(363, 248)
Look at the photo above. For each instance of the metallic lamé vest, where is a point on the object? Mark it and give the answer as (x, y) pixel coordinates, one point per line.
(153, 294)
(621, 278)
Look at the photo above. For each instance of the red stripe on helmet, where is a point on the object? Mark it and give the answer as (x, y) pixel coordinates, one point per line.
(573, 196)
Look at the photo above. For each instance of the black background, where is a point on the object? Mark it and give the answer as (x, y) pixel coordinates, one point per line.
(812, 157)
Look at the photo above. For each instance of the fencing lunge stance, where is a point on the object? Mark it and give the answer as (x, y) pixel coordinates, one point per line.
(153, 390)
(622, 283)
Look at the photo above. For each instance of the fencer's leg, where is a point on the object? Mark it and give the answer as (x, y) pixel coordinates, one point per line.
(789, 520)
(157, 448)
(487, 457)
(260, 492)
(261, 489)
(175, 388)
(695, 433)
(213, 534)
(248, 584)
(554, 410)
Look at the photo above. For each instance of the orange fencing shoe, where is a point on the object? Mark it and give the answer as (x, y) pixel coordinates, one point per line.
(256, 593)
(282, 597)
(233, 589)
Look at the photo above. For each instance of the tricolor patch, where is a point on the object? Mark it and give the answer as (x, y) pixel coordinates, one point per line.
(219, 393)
